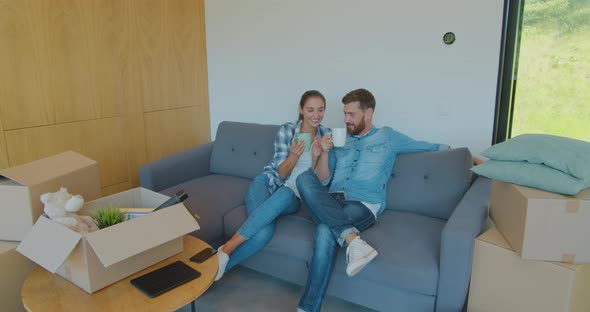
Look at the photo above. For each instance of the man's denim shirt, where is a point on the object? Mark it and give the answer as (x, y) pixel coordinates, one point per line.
(363, 165)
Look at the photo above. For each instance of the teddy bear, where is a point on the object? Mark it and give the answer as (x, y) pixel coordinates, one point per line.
(62, 206)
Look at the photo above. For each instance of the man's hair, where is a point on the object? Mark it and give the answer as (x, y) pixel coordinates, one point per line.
(308, 94)
(363, 96)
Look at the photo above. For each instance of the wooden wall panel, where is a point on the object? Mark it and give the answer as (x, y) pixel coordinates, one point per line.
(23, 98)
(98, 139)
(108, 54)
(149, 49)
(144, 56)
(185, 50)
(117, 188)
(3, 152)
(71, 89)
(163, 140)
(133, 116)
(25, 145)
(102, 140)
(80, 75)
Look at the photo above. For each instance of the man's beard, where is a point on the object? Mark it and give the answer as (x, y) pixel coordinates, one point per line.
(357, 128)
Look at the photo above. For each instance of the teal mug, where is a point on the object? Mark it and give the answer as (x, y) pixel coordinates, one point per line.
(305, 137)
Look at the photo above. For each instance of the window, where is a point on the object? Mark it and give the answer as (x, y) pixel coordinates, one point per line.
(544, 84)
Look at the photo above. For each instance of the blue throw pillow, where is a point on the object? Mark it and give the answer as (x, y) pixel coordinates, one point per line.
(564, 154)
(532, 175)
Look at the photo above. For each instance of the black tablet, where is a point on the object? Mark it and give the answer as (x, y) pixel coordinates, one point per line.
(164, 279)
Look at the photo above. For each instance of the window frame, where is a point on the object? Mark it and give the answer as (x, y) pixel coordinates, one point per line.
(507, 69)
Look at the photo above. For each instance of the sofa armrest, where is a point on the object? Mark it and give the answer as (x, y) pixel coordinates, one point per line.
(177, 168)
(457, 241)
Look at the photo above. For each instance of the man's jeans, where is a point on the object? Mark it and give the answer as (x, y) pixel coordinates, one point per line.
(336, 218)
(262, 209)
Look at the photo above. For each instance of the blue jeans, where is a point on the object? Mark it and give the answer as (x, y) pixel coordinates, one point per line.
(262, 208)
(320, 271)
(336, 218)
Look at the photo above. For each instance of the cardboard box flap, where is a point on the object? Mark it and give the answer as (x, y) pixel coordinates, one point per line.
(121, 241)
(145, 196)
(45, 169)
(49, 244)
(494, 237)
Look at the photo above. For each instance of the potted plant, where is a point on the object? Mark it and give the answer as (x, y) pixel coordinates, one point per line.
(107, 216)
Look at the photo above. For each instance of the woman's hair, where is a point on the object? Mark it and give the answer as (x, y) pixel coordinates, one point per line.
(308, 94)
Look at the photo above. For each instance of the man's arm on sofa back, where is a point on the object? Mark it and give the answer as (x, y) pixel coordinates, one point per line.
(177, 168)
(456, 250)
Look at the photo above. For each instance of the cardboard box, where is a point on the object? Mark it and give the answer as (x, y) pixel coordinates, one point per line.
(502, 281)
(95, 260)
(540, 225)
(14, 269)
(22, 186)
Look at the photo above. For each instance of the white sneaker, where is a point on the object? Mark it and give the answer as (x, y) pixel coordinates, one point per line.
(222, 259)
(358, 254)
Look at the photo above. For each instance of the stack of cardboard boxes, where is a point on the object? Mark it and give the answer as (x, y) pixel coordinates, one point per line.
(93, 260)
(20, 190)
(536, 256)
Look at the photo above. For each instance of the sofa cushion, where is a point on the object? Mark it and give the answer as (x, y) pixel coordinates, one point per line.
(409, 252)
(408, 246)
(430, 184)
(233, 220)
(293, 237)
(211, 197)
(242, 149)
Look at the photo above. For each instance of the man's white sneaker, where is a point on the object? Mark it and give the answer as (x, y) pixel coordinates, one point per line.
(222, 259)
(358, 255)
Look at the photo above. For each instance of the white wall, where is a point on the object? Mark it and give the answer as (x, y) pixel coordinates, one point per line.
(263, 54)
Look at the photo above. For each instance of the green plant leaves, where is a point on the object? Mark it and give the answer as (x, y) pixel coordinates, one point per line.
(107, 216)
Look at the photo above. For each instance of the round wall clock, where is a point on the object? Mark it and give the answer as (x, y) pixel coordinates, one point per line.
(449, 38)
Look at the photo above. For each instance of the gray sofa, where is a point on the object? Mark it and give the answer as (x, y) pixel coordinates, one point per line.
(435, 209)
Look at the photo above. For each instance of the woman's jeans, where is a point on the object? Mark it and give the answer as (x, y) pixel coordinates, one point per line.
(262, 208)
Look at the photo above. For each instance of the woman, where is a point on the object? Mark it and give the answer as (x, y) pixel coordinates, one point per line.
(273, 192)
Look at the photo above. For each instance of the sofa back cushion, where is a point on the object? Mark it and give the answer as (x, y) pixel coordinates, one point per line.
(242, 149)
(430, 184)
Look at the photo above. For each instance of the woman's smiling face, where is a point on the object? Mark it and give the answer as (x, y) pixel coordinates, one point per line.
(313, 111)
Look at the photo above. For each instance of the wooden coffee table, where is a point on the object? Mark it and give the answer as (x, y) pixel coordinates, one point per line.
(44, 291)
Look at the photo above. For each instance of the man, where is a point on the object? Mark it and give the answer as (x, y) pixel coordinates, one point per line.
(356, 195)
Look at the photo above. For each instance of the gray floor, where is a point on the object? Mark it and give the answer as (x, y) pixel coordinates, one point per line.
(246, 290)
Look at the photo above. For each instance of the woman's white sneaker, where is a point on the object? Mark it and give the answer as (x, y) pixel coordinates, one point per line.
(222, 259)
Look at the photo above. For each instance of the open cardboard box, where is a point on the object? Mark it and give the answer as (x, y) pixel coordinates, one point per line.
(541, 225)
(22, 186)
(95, 260)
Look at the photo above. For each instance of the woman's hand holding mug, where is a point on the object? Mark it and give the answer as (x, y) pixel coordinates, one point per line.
(298, 147)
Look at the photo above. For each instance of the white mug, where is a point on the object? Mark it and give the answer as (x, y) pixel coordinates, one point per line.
(339, 137)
